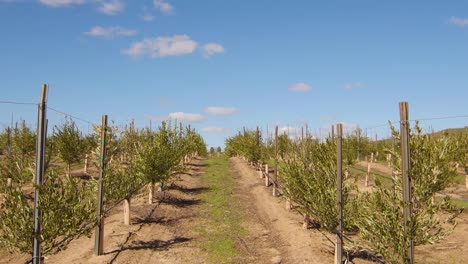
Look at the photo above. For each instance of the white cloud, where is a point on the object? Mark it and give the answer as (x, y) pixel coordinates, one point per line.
(57, 3)
(112, 7)
(300, 87)
(176, 45)
(217, 130)
(110, 32)
(187, 117)
(217, 110)
(211, 49)
(352, 86)
(147, 17)
(163, 6)
(458, 21)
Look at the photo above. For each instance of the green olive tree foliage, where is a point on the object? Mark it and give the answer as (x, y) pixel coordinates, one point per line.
(122, 180)
(212, 151)
(248, 144)
(24, 142)
(18, 161)
(308, 178)
(65, 204)
(192, 143)
(381, 219)
(69, 143)
(159, 154)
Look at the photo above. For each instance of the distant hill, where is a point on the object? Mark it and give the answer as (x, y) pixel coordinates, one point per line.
(453, 131)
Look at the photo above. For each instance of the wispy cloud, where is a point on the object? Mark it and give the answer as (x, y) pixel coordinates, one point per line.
(112, 7)
(55, 3)
(212, 48)
(458, 21)
(217, 110)
(110, 32)
(352, 86)
(164, 7)
(162, 46)
(217, 130)
(187, 117)
(147, 17)
(300, 87)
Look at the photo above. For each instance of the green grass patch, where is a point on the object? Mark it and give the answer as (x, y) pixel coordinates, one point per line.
(223, 213)
(460, 179)
(361, 173)
(459, 203)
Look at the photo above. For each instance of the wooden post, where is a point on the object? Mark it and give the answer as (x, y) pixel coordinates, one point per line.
(339, 175)
(288, 204)
(39, 179)
(85, 169)
(160, 187)
(260, 171)
(366, 183)
(126, 209)
(9, 182)
(267, 177)
(305, 223)
(99, 235)
(275, 176)
(405, 167)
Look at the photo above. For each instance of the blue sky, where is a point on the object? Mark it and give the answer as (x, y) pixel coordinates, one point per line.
(222, 65)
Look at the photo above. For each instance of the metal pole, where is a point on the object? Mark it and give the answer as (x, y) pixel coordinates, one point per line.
(358, 143)
(339, 198)
(99, 236)
(275, 178)
(405, 167)
(40, 163)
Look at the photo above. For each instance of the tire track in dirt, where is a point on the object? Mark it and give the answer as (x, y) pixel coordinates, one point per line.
(273, 224)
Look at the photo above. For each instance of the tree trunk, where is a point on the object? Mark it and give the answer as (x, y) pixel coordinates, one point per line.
(150, 193)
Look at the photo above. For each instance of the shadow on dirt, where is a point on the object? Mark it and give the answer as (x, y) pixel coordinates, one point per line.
(196, 190)
(180, 202)
(155, 244)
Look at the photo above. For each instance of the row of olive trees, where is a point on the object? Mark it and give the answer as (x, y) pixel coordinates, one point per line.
(308, 178)
(68, 203)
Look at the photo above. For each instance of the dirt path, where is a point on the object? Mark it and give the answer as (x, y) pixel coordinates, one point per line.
(268, 216)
